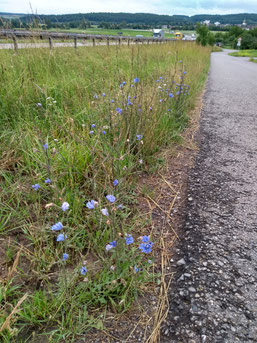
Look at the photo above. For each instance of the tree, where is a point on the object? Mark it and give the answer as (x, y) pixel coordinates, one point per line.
(235, 31)
(204, 35)
(48, 23)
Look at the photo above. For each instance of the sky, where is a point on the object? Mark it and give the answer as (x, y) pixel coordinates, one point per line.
(170, 7)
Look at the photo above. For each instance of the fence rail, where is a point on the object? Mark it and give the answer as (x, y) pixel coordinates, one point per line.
(50, 36)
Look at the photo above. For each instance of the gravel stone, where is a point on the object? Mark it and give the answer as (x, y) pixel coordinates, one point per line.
(181, 262)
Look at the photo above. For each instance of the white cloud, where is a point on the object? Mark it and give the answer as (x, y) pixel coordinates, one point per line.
(76, 6)
(186, 7)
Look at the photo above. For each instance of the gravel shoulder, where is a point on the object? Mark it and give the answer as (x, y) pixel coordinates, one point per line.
(213, 297)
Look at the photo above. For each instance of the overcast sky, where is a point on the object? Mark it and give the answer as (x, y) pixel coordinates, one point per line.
(187, 7)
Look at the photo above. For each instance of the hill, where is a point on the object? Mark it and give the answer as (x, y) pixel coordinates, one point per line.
(135, 18)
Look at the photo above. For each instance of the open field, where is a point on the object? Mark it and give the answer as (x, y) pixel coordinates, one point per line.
(244, 53)
(79, 127)
(111, 32)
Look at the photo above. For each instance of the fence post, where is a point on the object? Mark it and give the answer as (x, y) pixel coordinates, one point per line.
(75, 43)
(93, 41)
(128, 41)
(50, 42)
(108, 41)
(119, 41)
(15, 43)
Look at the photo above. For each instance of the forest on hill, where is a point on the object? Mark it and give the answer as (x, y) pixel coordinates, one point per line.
(132, 20)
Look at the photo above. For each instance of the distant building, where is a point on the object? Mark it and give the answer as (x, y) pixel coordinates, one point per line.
(217, 23)
(164, 27)
(207, 22)
(244, 24)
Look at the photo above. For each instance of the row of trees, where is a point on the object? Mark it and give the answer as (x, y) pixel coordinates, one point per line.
(230, 38)
(146, 19)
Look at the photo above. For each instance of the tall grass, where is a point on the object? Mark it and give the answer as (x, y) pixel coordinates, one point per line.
(84, 118)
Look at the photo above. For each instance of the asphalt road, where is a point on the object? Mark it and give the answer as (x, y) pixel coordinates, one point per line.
(213, 298)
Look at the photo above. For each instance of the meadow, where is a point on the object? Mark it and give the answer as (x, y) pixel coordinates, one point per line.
(244, 53)
(78, 128)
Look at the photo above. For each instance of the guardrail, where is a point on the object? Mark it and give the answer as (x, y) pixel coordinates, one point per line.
(50, 36)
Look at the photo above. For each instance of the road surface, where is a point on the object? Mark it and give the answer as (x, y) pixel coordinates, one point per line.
(213, 298)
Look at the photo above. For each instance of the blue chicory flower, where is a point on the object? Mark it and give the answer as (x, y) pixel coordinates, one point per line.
(146, 247)
(120, 206)
(61, 237)
(65, 257)
(123, 82)
(171, 95)
(110, 246)
(93, 126)
(112, 101)
(103, 94)
(139, 137)
(115, 182)
(47, 180)
(177, 93)
(110, 198)
(39, 104)
(45, 146)
(65, 206)
(91, 132)
(57, 227)
(129, 239)
(136, 269)
(91, 204)
(119, 110)
(36, 186)
(145, 239)
(105, 212)
(104, 132)
(136, 80)
(83, 270)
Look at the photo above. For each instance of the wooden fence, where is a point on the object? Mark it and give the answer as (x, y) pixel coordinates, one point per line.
(50, 36)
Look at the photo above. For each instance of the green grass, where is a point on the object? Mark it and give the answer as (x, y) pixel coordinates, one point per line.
(112, 32)
(254, 60)
(216, 49)
(69, 85)
(244, 53)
